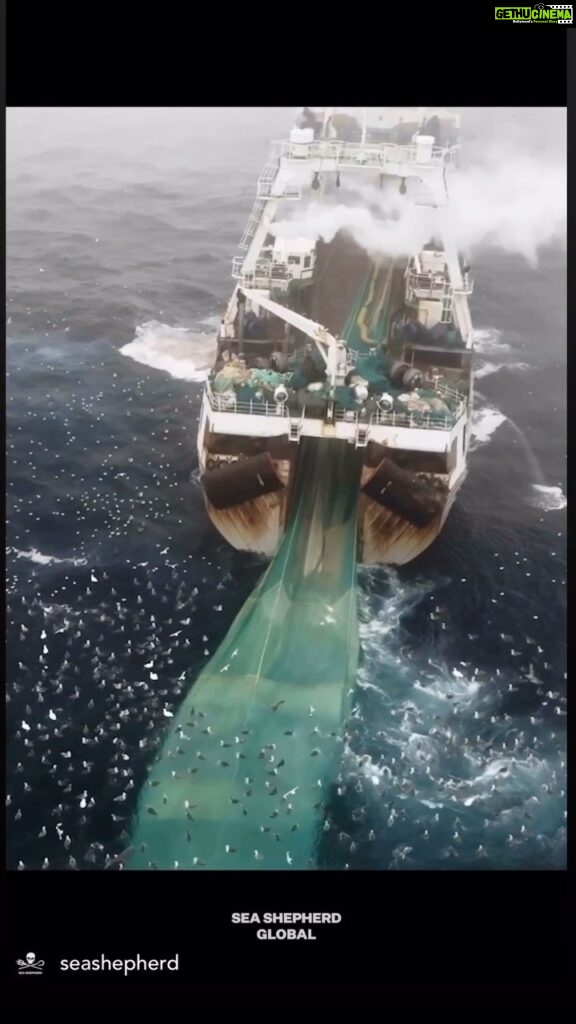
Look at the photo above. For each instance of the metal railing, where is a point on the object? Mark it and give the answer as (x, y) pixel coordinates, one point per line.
(417, 420)
(265, 191)
(421, 421)
(266, 272)
(435, 285)
(432, 285)
(467, 286)
(237, 264)
(269, 172)
(369, 154)
(224, 403)
(412, 420)
(446, 391)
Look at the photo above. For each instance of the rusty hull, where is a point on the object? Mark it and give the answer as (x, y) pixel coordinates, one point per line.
(257, 525)
(384, 538)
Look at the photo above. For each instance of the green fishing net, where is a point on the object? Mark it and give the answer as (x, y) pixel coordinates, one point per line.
(244, 771)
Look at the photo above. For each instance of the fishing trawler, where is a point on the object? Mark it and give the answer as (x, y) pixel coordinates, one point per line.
(330, 339)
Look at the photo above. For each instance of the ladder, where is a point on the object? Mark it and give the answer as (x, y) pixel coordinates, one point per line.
(268, 176)
(446, 314)
(253, 222)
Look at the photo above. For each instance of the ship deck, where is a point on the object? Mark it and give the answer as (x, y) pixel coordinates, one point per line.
(358, 297)
(355, 295)
(341, 269)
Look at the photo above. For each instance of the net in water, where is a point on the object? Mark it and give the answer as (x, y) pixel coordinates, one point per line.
(243, 774)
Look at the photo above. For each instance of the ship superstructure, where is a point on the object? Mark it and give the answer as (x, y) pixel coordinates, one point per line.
(329, 339)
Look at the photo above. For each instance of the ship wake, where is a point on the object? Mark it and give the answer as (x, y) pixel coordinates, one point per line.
(180, 352)
(436, 774)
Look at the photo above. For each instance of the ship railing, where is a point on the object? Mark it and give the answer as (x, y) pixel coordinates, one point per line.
(467, 286)
(367, 154)
(237, 264)
(414, 420)
(426, 285)
(422, 421)
(268, 174)
(447, 391)
(435, 285)
(266, 272)
(267, 190)
(411, 420)
(226, 403)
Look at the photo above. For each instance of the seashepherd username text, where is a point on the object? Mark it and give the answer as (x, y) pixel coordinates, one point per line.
(137, 963)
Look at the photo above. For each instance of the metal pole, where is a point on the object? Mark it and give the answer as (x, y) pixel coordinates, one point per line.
(363, 140)
(327, 115)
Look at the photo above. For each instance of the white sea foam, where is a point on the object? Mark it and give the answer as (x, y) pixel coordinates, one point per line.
(446, 687)
(548, 499)
(211, 321)
(37, 556)
(445, 751)
(485, 421)
(178, 351)
(489, 368)
(488, 341)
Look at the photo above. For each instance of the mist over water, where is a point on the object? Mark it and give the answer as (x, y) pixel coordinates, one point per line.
(121, 225)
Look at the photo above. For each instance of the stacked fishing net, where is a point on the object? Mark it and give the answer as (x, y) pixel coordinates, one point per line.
(236, 383)
(231, 375)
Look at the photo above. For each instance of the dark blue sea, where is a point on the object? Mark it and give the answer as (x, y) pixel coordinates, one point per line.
(121, 229)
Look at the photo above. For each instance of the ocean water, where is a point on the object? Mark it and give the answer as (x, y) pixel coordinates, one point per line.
(121, 227)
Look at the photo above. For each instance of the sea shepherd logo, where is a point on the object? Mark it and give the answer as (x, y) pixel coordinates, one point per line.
(543, 14)
(30, 965)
